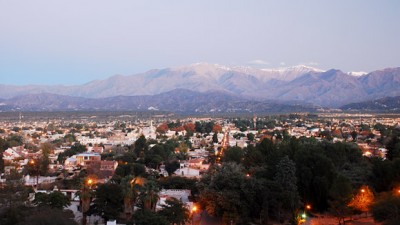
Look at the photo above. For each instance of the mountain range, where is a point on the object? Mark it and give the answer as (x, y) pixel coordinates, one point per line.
(289, 86)
(179, 101)
(387, 104)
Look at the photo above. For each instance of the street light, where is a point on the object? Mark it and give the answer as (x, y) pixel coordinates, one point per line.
(194, 209)
(36, 168)
(85, 199)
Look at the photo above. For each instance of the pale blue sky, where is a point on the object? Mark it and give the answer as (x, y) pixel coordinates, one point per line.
(73, 42)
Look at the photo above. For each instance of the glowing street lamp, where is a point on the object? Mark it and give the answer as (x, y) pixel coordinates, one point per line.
(194, 210)
(36, 167)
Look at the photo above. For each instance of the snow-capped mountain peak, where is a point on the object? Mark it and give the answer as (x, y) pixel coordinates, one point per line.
(357, 74)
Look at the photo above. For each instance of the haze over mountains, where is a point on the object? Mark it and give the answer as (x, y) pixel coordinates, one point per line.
(290, 86)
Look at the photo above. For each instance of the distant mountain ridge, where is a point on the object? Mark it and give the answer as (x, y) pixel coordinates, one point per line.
(387, 104)
(332, 88)
(178, 101)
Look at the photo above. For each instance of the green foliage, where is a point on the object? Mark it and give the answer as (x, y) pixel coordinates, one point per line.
(238, 135)
(23, 215)
(134, 169)
(176, 182)
(127, 157)
(204, 127)
(175, 211)
(54, 199)
(13, 193)
(149, 195)
(286, 178)
(385, 174)
(340, 195)
(386, 209)
(140, 146)
(108, 202)
(75, 149)
(13, 141)
(250, 136)
(215, 137)
(146, 217)
(393, 147)
(172, 166)
(221, 192)
(315, 173)
(233, 154)
(48, 216)
(69, 138)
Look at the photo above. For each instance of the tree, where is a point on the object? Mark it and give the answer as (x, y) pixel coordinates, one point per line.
(75, 149)
(250, 136)
(315, 174)
(340, 195)
(149, 195)
(33, 168)
(190, 129)
(354, 135)
(286, 178)
(109, 200)
(1, 162)
(55, 199)
(130, 190)
(47, 148)
(172, 166)
(47, 216)
(362, 200)
(222, 192)
(146, 217)
(233, 154)
(14, 140)
(85, 196)
(162, 129)
(13, 193)
(140, 146)
(178, 182)
(175, 211)
(393, 147)
(217, 128)
(215, 137)
(386, 209)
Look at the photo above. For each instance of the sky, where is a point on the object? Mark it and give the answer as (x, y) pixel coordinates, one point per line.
(73, 42)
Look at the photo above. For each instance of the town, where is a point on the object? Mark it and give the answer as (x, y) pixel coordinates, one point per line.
(197, 170)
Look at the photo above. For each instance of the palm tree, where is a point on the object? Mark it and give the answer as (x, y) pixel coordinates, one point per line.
(149, 195)
(85, 196)
(130, 188)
